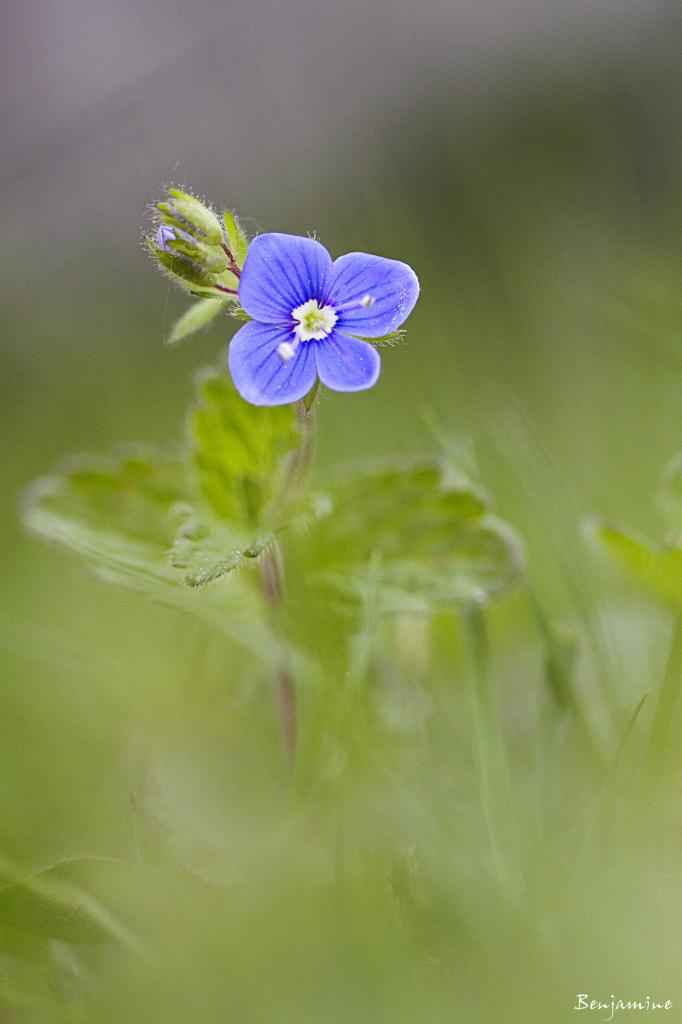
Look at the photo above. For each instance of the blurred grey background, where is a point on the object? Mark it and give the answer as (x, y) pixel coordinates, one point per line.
(276, 106)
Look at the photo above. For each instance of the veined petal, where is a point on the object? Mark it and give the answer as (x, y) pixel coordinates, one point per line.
(392, 285)
(346, 364)
(280, 273)
(260, 374)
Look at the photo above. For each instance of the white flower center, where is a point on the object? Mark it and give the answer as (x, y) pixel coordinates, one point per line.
(313, 321)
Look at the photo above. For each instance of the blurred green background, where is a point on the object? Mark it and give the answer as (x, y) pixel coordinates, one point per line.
(526, 159)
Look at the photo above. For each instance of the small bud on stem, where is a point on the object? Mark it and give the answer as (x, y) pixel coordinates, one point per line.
(197, 215)
(194, 246)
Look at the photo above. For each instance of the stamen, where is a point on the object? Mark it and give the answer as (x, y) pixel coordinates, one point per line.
(313, 322)
(365, 302)
(286, 351)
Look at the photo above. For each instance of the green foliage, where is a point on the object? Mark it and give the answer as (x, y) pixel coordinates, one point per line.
(130, 495)
(388, 340)
(238, 449)
(62, 901)
(200, 549)
(199, 315)
(430, 539)
(166, 523)
(237, 241)
(120, 521)
(162, 523)
(199, 253)
(657, 567)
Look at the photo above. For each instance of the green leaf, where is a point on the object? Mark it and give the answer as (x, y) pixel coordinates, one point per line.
(236, 238)
(63, 902)
(197, 316)
(117, 514)
(658, 567)
(132, 493)
(207, 551)
(378, 508)
(473, 564)
(123, 516)
(238, 449)
(432, 538)
(387, 340)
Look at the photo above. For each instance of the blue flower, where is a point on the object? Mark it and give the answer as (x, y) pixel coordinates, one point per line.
(309, 316)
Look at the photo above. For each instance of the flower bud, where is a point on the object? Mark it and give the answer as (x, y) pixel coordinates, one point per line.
(165, 235)
(185, 207)
(191, 243)
(210, 258)
(180, 266)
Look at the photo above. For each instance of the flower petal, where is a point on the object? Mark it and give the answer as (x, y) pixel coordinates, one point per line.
(260, 375)
(392, 284)
(280, 273)
(347, 364)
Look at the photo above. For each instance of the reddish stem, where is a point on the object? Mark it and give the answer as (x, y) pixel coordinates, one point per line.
(233, 267)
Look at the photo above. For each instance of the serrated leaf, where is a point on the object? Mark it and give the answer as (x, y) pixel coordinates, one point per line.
(433, 541)
(206, 551)
(132, 492)
(657, 566)
(379, 509)
(238, 449)
(122, 515)
(199, 315)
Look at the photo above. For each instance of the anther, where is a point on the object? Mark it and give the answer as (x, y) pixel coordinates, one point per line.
(286, 351)
(365, 302)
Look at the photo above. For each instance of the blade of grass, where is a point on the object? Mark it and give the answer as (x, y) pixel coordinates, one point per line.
(491, 748)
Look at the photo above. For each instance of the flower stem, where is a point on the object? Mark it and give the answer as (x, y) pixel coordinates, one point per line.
(272, 571)
(233, 265)
(298, 465)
